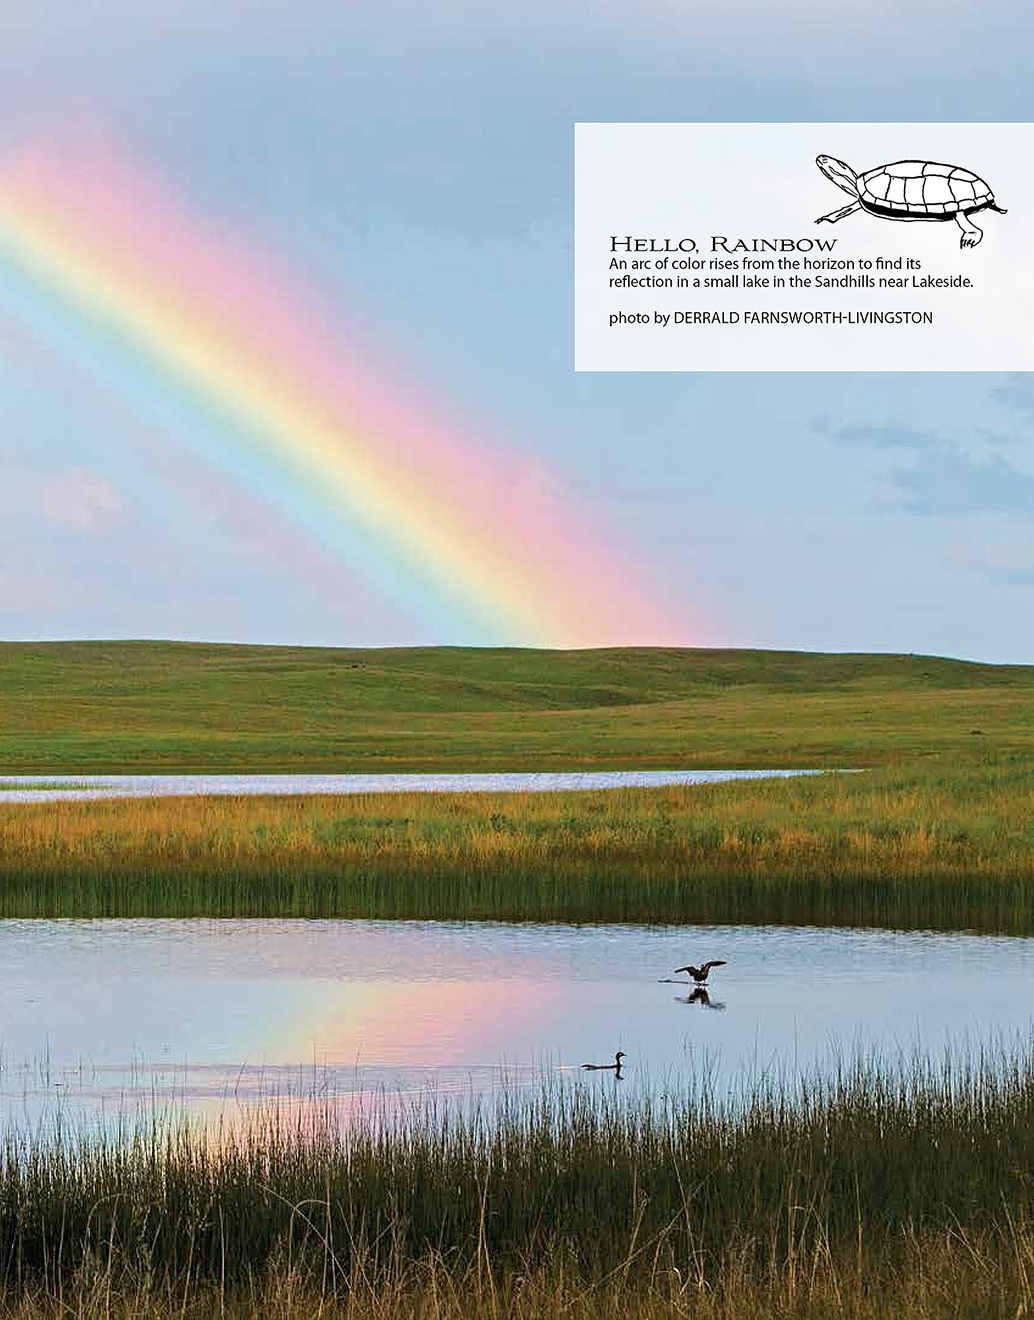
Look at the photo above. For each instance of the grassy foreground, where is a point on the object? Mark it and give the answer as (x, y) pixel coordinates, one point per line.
(872, 1195)
(90, 707)
(949, 1278)
(949, 848)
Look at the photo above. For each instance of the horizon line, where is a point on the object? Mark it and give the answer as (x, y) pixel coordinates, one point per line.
(465, 646)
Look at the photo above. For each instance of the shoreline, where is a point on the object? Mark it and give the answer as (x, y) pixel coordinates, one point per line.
(939, 847)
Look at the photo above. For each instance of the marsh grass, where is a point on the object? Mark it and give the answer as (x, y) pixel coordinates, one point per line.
(939, 847)
(956, 1277)
(841, 1198)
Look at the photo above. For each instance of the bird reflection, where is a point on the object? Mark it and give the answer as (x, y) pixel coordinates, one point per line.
(700, 996)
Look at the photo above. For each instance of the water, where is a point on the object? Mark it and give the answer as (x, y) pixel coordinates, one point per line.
(101, 1017)
(40, 788)
(50, 788)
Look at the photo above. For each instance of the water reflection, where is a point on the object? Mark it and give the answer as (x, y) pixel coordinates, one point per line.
(701, 997)
(211, 1015)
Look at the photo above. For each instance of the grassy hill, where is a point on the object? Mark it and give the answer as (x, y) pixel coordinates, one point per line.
(81, 707)
(940, 832)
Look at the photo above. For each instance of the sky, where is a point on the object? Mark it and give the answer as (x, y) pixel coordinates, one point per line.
(400, 175)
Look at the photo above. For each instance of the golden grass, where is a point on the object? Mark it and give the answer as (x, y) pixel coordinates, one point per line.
(950, 1276)
(961, 838)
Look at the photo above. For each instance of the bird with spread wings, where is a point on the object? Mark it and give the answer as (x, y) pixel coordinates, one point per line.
(699, 974)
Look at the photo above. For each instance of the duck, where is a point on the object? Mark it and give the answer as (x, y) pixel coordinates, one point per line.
(699, 974)
(614, 1067)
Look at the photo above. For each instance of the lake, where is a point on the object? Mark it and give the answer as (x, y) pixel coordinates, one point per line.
(98, 1017)
(43, 788)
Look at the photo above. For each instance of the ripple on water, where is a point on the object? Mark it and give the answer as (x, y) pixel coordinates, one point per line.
(204, 1013)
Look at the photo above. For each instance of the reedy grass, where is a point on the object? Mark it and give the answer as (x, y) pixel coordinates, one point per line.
(873, 1188)
(939, 847)
(956, 1276)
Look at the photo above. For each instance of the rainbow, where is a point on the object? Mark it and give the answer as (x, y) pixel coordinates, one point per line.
(272, 391)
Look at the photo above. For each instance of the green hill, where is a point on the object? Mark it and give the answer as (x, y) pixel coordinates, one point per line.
(80, 707)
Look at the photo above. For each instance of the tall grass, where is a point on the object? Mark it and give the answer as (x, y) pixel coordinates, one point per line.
(945, 847)
(871, 1186)
(959, 1276)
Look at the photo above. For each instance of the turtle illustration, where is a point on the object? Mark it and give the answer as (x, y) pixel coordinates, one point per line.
(913, 190)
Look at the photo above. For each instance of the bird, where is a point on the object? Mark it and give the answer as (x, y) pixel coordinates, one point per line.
(699, 974)
(614, 1067)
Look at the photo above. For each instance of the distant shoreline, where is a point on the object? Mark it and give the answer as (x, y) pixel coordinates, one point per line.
(927, 847)
(76, 788)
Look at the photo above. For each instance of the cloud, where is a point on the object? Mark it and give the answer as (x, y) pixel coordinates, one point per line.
(80, 501)
(1017, 393)
(32, 592)
(948, 481)
(945, 477)
(887, 436)
(1003, 560)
